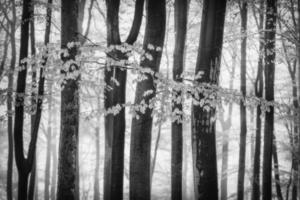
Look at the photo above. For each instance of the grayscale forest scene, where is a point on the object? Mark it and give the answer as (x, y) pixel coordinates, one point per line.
(149, 99)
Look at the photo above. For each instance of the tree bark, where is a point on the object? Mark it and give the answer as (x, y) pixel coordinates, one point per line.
(243, 112)
(9, 102)
(68, 168)
(180, 14)
(97, 167)
(270, 26)
(276, 170)
(140, 147)
(115, 124)
(258, 93)
(203, 122)
(21, 162)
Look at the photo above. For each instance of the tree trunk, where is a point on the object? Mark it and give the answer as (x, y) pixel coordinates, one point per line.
(32, 177)
(276, 170)
(5, 51)
(258, 93)
(226, 125)
(243, 112)
(54, 167)
(68, 170)
(49, 137)
(180, 14)
(140, 147)
(115, 124)
(270, 27)
(21, 162)
(9, 178)
(203, 123)
(97, 167)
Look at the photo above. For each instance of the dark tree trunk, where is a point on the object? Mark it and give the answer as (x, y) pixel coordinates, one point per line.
(258, 93)
(9, 188)
(203, 123)
(243, 112)
(180, 12)
(276, 170)
(21, 161)
(68, 179)
(115, 124)
(140, 147)
(270, 26)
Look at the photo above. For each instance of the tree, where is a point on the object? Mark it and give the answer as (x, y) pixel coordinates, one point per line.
(258, 90)
(116, 95)
(24, 165)
(269, 58)
(243, 113)
(9, 102)
(68, 168)
(226, 125)
(180, 13)
(203, 120)
(140, 146)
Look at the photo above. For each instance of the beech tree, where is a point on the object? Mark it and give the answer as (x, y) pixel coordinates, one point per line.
(243, 113)
(269, 59)
(180, 13)
(203, 120)
(258, 90)
(115, 94)
(68, 168)
(140, 146)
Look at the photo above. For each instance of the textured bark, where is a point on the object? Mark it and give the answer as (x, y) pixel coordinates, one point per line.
(258, 93)
(203, 123)
(243, 112)
(298, 91)
(270, 26)
(115, 124)
(68, 170)
(9, 178)
(180, 14)
(140, 147)
(276, 170)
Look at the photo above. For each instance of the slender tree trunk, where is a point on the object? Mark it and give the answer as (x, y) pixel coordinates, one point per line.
(258, 93)
(276, 170)
(68, 170)
(226, 125)
(9, 178)
(203, 123)
(49, 137)
(140, 147)
(243, 112)
(180, 13)
(32, 177)
(97, 167)
(115, 124)
(270, 26)
(54, 166)
(298, 86)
